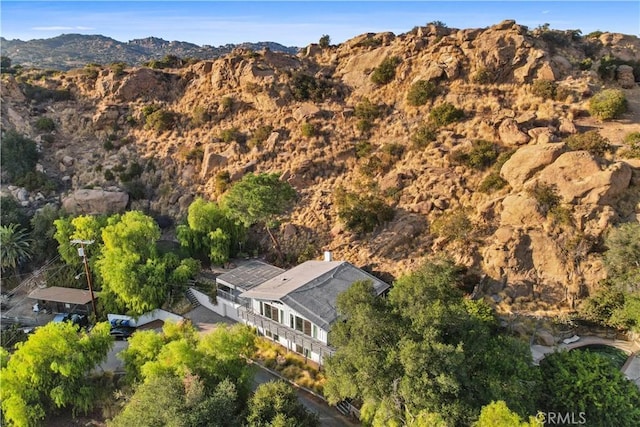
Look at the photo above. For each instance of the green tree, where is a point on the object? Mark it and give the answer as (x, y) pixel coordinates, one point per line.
(15, 246)
(42, 231)
(498, 414)
(425, 352)
(260, 199)
(50, 371)
(18, 155)
(325, 41)
(582, 381)
(11, 212)
(129, 264)
(83, 227)
(275, 404)
(211, 231)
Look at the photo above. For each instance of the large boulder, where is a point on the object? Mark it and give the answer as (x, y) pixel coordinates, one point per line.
(210, 161)
(95, 201)
(510, 134)
(578, 177)
(529, 160)
(625, 77)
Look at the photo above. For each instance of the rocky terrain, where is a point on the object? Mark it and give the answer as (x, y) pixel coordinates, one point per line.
(301, 116)
(75, 50)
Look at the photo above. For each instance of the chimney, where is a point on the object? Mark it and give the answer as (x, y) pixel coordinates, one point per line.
(328, 256)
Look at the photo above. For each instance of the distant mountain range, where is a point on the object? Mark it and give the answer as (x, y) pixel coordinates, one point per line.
(69, 51)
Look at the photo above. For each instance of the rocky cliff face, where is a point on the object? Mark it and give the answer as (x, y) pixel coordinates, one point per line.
(299, 116)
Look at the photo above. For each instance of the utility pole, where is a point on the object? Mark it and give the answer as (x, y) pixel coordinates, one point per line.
(82, 253)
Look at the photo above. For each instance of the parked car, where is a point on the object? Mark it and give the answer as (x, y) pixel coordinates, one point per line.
(80, 320)
(122, 332)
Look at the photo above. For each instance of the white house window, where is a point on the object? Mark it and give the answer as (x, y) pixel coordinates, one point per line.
(301, 325)
(267, 310)
(315, 331)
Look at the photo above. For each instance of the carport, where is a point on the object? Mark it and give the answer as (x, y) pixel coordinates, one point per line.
(62, 300)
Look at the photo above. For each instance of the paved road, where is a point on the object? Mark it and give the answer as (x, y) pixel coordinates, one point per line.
(328, 415)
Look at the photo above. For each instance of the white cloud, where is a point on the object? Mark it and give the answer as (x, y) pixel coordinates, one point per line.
(61, 28)
(544, 12)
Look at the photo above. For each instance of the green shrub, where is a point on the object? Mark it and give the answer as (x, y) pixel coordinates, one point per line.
(305, 87)
(546, 197)
(420, 92)
(118, 68)
(137, 189)
(423, 135)
(232, 134)
(608, 104)
(492, 182)
(633, 152)
(386, 71)
(482, 76)
(362, 213)
(363, 149)
(222, 181)
(226, 103)
(445, 114)
(364, 126)
(36, 180)
(481, 155)
(195, 154)
(259, 136)
(308, 130)
(585, 64)
(367, 110)
(108, 145)
(18, 155)
(200, 116)
(45, 124)
(453, 226)
(160, 120)
(108, 175)
(133, 171)
(545, 89)
(590, 141)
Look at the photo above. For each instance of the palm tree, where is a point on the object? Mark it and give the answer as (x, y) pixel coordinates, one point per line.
(14, 246)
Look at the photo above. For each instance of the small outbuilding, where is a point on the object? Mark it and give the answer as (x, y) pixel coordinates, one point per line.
(57, 299)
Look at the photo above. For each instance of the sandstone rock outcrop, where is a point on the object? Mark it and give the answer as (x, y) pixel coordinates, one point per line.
(527, 161)
(96, 201)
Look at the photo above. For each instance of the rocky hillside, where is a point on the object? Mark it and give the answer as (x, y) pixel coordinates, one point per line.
(69, 51)
(366, 118)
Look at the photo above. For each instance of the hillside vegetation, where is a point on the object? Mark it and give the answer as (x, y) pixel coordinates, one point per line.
(505, 147)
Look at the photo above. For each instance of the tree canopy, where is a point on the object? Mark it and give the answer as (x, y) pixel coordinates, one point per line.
(582, 381)
(50, 370)
(275, 404)
(259, 199)
(425, 352)
(211, 231)
(15, 246)
(131, 268)
(204, 379)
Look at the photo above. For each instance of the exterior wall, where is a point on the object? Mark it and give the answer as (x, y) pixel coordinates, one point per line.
(285, 317)
(222, 306)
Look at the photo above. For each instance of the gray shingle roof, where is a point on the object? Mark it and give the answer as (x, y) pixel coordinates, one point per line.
(312, 288)
(248, 276)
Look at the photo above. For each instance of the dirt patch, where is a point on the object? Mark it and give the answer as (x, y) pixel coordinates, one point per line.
(616, 130)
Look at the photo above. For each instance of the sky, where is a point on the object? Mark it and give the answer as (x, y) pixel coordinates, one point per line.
(296, 23)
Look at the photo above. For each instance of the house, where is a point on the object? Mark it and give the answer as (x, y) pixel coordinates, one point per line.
(297, 307)
(230, 285)
(62, 300)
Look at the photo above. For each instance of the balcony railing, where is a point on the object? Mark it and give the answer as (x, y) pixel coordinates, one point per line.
(230, 297)
(294, 336)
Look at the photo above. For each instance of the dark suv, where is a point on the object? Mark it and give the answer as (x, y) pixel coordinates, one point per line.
(79, 320)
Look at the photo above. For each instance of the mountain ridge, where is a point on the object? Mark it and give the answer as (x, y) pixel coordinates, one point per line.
(68, 51)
